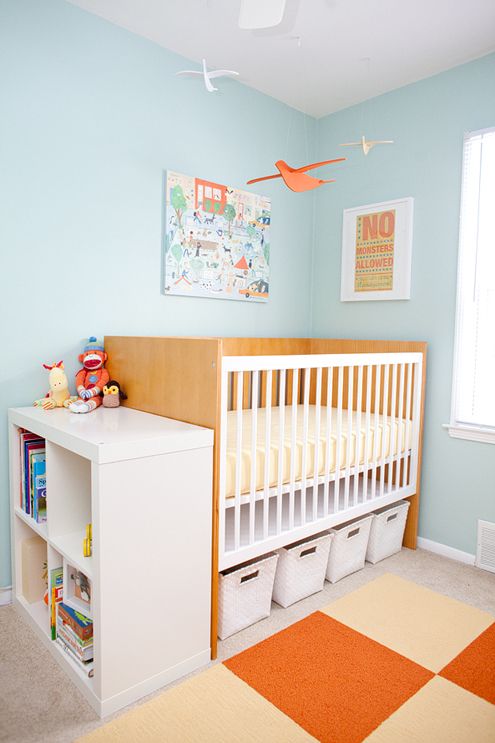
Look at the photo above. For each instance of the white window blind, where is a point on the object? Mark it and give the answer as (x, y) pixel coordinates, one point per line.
(473, 399)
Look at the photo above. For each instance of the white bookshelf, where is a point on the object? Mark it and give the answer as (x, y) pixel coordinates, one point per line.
(144, 482)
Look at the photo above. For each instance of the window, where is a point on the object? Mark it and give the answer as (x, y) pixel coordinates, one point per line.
(473, 396)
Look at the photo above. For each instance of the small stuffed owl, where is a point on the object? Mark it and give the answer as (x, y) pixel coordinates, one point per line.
(112, 394)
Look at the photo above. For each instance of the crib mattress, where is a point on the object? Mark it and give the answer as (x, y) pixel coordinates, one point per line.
(381, 434)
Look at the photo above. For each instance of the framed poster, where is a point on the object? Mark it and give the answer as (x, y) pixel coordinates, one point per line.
(376, 251)
(217, 240)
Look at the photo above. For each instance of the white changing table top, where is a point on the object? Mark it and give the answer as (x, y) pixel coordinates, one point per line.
(112, 434)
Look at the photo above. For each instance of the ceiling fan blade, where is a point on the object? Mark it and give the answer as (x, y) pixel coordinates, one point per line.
(194, 73)
(255, 14)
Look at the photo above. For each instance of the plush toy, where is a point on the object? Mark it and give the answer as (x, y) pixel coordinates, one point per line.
(91, 379)
(59, 395)
(112, 394)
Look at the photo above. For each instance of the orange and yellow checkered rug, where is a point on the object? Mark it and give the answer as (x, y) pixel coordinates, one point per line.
(389, 663)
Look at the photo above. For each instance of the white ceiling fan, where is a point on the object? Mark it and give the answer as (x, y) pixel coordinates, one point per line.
(257, 14)
(208, 76)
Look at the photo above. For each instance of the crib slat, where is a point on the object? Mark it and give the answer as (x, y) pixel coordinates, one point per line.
(294, 397)
(393, 441)
(268, 448)
(225, 405)
(340, 389)
(281, 448)
(401, 422)
(347, 476)
(415, 418)
(408, 416)
(238, 463)
(234, 385)
(306, 385)
(254, 441)
(316, 468)
(385, 428)
(376, 430)
(328, 439)
(248, 389)
(367, 436)
(357, 455)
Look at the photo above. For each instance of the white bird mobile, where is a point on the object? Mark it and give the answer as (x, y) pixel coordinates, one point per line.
(367, 145)
(208, 76)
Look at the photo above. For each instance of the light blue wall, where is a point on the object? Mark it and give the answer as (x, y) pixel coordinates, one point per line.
(90, 116)
(427, 120)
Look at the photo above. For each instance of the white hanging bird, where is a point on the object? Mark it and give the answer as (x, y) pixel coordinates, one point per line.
(367, 145)
(208, 76)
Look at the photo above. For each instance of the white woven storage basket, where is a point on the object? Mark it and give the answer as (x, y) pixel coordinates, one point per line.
(387, 531)
(348, 548)
(245, 595)
(301, 569)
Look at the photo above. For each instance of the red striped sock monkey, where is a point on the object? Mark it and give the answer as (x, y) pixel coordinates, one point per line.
(91, 379)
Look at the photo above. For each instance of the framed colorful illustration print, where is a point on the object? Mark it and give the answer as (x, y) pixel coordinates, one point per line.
(217, 240)
(376, 251)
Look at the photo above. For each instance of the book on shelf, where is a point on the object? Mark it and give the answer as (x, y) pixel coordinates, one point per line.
(32, 449)
(38, 486)
(82, 651)
(80, 625)
(87, 668)
(57, 594)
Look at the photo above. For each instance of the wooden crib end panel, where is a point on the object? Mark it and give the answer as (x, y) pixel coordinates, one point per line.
(173, 377)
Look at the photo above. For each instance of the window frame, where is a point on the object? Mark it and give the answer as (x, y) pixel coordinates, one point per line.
(471, 432)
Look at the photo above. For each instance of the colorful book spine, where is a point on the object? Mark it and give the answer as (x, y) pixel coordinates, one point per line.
(57, 594)
(24, 438)
(88, 668)
(83, 654)
(38, 486)
(30, 444)
(40, 498)
(81, 625)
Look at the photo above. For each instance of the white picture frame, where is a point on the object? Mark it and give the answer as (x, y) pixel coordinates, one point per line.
(377, 251)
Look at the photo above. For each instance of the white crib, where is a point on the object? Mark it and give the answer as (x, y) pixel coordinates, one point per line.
(268, 396)
(311, 441)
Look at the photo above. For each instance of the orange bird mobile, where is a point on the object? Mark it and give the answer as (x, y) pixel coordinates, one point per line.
(296, 178)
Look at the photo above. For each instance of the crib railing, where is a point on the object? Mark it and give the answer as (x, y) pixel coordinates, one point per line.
(311, 441)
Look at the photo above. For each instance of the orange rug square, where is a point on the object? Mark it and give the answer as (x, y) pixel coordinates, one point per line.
(334, 682)
(474, 668)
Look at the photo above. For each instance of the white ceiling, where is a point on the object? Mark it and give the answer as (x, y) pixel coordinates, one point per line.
(350, 50)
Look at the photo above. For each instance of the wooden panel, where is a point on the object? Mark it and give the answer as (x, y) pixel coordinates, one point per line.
(174, 377)
(265, 346)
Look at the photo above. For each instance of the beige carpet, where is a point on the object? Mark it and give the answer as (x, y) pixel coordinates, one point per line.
(390, 662)
(57, 713)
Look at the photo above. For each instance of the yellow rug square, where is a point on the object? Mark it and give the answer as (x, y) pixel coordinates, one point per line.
(440, 712)
(420, 624)
(212, 707)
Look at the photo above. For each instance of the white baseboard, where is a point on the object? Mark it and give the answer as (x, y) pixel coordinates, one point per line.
(446, 551)
(5, 596)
